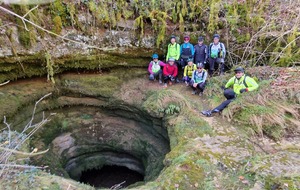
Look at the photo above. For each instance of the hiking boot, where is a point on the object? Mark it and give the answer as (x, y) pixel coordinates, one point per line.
(177, 80)
(194, 92)
(165, 85)
(160, 82)
(207, 113)
(186, 83)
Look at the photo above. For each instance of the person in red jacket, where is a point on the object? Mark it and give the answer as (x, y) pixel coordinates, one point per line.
(170, 72)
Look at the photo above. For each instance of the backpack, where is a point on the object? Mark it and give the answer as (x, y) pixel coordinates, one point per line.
(155, 66)
(203, 73)
(177, 46)
(244, 81)
(221, 45)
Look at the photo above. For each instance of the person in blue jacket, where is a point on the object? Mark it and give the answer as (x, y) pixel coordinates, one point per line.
(186, 51)
(198, 80)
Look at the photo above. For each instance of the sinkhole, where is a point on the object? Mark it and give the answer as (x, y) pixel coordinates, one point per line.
(111, 176)
(113, 147)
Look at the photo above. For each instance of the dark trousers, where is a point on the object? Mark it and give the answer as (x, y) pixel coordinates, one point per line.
(183, 62)
(200, 86)
(223, 105)
(186, 79)
(230, 95)
(214, 64)
(167, 79)
(154, 75)
(180, 65)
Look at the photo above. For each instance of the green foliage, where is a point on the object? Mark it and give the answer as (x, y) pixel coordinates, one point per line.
(158, 19)
(215, 7)
(181, 23)
(72, 11)
(164, 102)
(139, 24)
(172, 109)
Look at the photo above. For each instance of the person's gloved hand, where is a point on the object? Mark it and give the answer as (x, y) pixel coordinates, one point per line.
(244, 90)
(172, 79)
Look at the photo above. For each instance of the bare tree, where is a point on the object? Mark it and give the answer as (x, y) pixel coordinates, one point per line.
(14, 141)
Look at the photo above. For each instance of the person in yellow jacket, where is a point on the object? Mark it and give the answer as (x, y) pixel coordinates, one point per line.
(188, 71)
(240, 83)
(174, 52)
(173, 49)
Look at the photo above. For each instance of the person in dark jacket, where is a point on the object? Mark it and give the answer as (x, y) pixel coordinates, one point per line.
(154, 68)
(240, 83)
(170, 72)
(216, 55)
(200, 55)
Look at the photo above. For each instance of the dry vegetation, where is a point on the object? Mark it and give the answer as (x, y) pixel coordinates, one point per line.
(275, 109)
(14, 148)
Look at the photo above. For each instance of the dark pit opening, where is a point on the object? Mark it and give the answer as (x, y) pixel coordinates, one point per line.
(110, 176)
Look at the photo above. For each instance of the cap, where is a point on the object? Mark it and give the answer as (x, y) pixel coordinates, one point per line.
(173, 36)
(200, 39)
(171, 59)
(190, 60)
(200, 65)
(216, 36)
(239, 69)
(154, 56)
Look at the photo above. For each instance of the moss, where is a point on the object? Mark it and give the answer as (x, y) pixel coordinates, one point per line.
(89, 86)
(72, 11)
(57, 24)
(50, 70)
(213, 16)
(60, 14)
(27, 33)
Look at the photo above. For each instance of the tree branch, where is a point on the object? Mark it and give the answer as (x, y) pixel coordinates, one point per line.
(59, 36)
(2, 84)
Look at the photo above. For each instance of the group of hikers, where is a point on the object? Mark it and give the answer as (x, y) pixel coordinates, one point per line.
(193, 62)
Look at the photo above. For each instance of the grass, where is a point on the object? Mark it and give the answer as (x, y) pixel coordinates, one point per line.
(273, 110)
